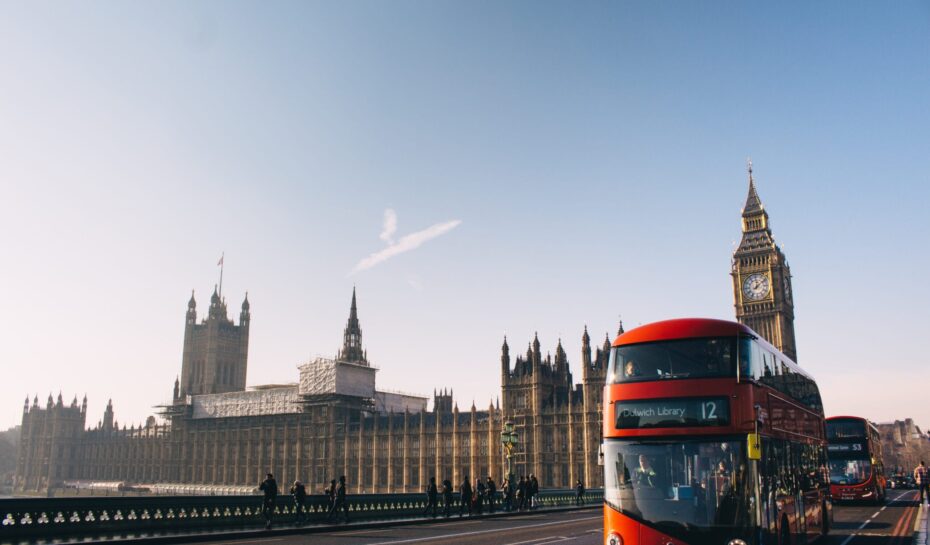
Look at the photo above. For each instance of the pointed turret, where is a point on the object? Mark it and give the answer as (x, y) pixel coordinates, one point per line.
(620, 330)
(537, 353)
(245, 315)
(585, 349)
(561, 358)
(84, 404)
(505, 358)
(177, 389)
(753, 202)
(755, 218)
(352, 338)
(108, 421)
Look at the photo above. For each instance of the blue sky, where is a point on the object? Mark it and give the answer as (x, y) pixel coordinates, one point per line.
(593, 153)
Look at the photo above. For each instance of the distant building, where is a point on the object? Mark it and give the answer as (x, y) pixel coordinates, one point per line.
(221, 436)
(905, 445)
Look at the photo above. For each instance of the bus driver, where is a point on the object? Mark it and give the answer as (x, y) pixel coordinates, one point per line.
(644, 475)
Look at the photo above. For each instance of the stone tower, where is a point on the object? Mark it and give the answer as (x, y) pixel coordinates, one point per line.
(762, 279)
(50, 443)
(535, 389)
(594, 377)
(352, 351)
(215, 350)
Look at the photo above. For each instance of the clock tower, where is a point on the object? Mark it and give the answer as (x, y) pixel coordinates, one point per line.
(762, 279)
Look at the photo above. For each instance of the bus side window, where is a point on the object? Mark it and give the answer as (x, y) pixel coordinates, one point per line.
(758, 363)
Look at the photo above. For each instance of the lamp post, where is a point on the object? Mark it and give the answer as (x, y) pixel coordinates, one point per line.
(509, 441)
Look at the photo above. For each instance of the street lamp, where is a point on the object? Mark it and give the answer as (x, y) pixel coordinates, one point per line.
(509, 441)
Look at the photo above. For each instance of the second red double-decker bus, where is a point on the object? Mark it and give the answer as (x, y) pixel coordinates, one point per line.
(711, 436)
(854, 447)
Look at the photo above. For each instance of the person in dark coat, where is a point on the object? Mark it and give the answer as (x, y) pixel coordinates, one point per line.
(508, 490)
(270, 487)
(466, 496)
(340, 502)
(492, 494)
(480, 493)
(522, 490)
(533, 488)
(299, 491)
(579, 493)
(431, 497)
(330, 492)
(447, 496)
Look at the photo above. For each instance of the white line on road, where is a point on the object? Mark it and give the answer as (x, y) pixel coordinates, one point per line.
(864, 524)
(479, 532)
(238, 542)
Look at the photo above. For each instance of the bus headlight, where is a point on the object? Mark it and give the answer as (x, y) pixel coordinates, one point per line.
(736, 541)
(613, 538)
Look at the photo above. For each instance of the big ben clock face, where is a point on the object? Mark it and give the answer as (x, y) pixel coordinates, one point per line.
(756, 286)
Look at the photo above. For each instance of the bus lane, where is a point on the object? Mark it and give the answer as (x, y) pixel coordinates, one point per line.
(888, 524)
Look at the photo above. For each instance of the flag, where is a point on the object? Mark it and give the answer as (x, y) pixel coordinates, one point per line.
(220, 262)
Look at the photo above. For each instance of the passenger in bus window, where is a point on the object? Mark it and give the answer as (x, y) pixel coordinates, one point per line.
(631, 369)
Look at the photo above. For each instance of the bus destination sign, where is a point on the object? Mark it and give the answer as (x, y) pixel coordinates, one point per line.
(846, 448)
(672, 413)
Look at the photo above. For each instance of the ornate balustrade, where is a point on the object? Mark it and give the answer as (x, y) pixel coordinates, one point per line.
(28, 519)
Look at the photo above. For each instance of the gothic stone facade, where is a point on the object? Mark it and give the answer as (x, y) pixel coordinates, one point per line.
(217, 433)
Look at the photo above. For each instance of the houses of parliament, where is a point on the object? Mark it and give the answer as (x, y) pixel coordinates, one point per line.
(217, 436)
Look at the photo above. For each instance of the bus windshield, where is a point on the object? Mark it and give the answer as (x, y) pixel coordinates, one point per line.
(680, 487)
(849, 471)
(681, 358)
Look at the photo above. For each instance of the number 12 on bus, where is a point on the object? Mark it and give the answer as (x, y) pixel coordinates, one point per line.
(711, 436)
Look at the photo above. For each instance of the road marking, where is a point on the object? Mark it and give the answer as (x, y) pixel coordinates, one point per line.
(854, 534)
(495, 530)
(266, 540)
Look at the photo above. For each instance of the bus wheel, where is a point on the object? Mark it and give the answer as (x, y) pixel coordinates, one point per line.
(825, 518)
(785, 533)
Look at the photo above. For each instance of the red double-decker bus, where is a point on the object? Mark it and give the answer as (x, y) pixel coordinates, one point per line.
(854, 448)
(711, 435)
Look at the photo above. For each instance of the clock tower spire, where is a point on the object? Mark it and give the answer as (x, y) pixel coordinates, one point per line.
(762, 279)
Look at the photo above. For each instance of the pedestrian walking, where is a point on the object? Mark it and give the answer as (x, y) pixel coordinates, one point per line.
(534, 491)
(579, 493)
(923, 479)
(521, 493)
(299, 491)
(270, 487)
(431, 496)
(447, 496)
(492, 494)
(508, 490)
(330, 492)
(466, 495)
(480, 492)
(339, 502)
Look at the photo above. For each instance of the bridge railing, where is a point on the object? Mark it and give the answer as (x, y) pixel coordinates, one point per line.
(28, 519)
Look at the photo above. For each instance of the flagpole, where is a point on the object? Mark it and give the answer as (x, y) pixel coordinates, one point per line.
(222, 264)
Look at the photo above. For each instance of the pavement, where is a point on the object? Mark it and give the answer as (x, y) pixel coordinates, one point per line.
(899, 521)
